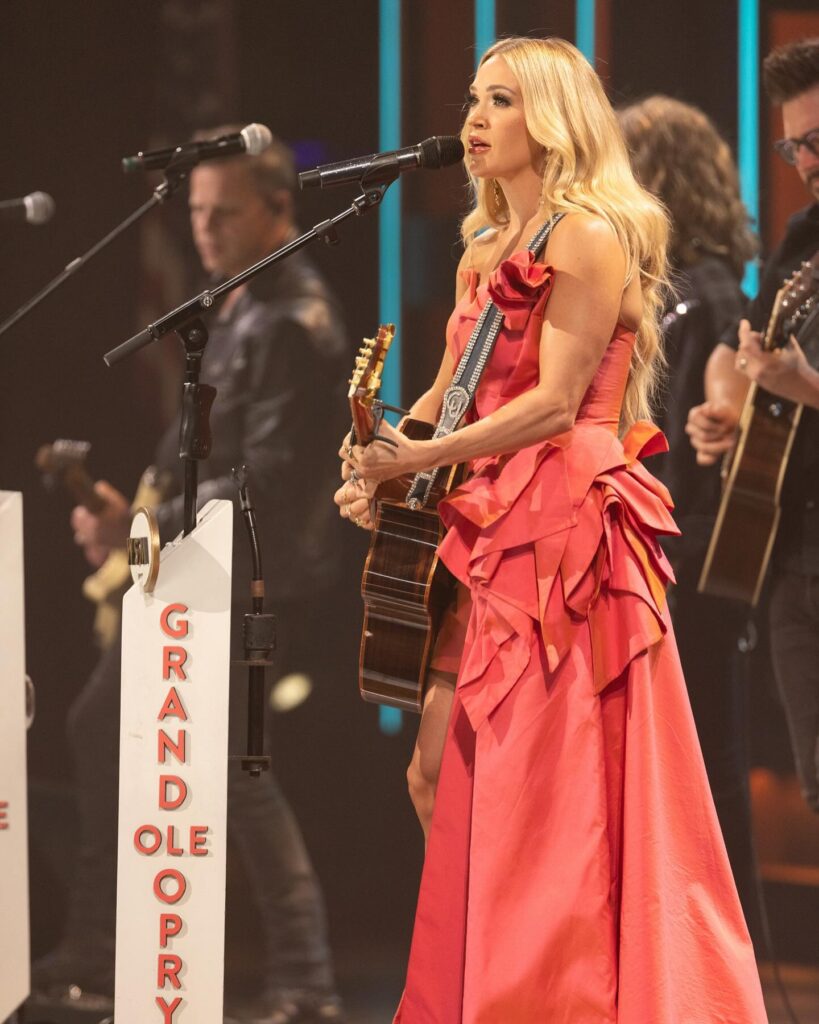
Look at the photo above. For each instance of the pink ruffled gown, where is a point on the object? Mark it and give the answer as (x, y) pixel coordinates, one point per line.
(575, 871)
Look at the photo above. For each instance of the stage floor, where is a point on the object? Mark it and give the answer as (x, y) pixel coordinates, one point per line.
(371, 996)
(371, 987)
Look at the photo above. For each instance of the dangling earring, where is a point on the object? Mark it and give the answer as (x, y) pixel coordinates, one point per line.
(546, 153)
(498, 193)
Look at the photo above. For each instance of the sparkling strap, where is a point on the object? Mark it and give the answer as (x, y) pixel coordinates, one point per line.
(460, 394)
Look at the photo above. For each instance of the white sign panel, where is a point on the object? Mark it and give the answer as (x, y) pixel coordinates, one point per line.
(14, 932)
(173, 783)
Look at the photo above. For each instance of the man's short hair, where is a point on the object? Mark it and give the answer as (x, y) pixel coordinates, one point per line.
(273, 171)
(791, 69)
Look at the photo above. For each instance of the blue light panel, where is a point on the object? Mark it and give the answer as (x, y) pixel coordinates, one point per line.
(748, 122)
(389, 227)
(484, 27)
(584, 28)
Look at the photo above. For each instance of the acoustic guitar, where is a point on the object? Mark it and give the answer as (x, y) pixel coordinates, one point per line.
(64, 462)
(744, 533)
(404, 585)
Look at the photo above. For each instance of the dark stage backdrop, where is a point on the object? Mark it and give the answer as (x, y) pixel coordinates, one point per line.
(85, 84)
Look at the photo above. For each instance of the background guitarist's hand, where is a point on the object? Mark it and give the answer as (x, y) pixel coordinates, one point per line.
(99, 534)
(712, 430)
(784, 371)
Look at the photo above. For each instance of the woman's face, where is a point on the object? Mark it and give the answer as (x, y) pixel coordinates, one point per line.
(497, 140)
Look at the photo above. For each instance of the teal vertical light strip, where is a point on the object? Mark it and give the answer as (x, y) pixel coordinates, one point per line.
(584, 15)
(484, 27)
(748, 121)
(389, 227)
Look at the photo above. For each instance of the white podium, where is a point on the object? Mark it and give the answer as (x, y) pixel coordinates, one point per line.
(14, 932)
(173, 782)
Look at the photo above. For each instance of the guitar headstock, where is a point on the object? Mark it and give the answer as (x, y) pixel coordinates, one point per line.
(795, 301)
(64, 462)
(366, 380)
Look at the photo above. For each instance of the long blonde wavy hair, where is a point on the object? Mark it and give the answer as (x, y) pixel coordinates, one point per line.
(586, 169)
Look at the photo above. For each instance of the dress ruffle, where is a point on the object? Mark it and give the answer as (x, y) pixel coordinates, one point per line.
(518, 286)
(560, 537)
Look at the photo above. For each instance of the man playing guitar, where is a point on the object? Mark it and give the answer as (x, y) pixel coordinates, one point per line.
(791, 75)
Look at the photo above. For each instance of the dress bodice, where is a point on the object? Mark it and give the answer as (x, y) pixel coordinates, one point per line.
(520, 288)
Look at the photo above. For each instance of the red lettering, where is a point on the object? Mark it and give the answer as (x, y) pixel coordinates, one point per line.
(168, 803)
(173, 707)
(173, 658)
(140, 844)
(180, 630)
(198, 841)
(168, 1009)
(174, 876)
(169, 926)
(4, 818)
(165, 746)
(173, 849)
(168, 967)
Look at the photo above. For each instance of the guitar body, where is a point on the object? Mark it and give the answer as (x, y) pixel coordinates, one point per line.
(748, 517)
(744, 533)
(405, 588)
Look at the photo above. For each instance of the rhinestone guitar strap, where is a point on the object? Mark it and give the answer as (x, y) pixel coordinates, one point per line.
(460, 394)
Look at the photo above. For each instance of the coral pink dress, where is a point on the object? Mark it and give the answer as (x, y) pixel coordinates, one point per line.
(575, 871)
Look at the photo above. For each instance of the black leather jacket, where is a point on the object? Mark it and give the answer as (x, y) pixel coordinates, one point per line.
(279, 361)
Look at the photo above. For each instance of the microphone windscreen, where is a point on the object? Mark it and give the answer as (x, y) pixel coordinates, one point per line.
(257, 138)
(40, 207)
(441, 151)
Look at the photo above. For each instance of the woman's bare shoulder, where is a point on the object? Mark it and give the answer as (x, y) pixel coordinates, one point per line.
(584, 229)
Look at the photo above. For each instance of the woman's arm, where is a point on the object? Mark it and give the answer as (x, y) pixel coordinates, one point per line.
(581, 314)
(354, 496)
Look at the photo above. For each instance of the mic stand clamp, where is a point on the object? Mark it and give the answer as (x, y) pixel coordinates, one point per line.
(195, 438)
(259, 634)
(370, 197)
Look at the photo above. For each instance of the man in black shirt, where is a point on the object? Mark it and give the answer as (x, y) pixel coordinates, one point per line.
(278, 356)
(792, 80)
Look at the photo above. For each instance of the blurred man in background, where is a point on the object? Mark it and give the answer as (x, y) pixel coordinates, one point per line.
(278, 357)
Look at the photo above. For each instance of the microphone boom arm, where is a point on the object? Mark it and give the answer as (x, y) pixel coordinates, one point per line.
(325, 230)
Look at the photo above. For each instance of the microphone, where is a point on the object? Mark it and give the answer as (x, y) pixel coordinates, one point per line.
(378, 168)
(253, 139)
(36, 208)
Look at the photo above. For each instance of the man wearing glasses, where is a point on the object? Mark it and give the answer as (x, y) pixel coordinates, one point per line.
(791, 76)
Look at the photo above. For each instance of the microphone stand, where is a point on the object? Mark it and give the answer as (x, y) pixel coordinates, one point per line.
(185, 321)
(175, 173)
(259, 635)
(195, 442)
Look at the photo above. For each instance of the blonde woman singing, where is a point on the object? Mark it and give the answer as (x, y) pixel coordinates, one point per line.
(575, 872)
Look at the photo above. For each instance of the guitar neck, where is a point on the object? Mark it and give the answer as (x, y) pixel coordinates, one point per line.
(81, 488)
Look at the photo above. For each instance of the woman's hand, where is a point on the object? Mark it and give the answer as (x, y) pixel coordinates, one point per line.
(353, 499)
(379, 461)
